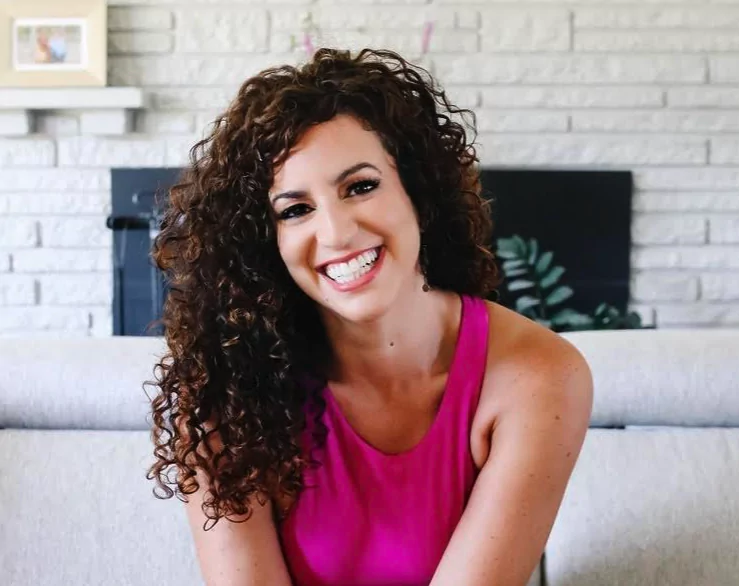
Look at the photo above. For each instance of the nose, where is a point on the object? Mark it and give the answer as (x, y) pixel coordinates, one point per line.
(337, 226)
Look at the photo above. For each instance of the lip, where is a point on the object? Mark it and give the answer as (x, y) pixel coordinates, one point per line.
(347, 257)
(361, 281)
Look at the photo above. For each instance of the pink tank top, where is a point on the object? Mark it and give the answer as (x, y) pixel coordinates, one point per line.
(369, 518)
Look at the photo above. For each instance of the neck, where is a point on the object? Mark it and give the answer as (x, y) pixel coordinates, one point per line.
(410, 344)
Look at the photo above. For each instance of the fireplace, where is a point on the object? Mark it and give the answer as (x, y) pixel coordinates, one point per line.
(582, 217)
(138, 287)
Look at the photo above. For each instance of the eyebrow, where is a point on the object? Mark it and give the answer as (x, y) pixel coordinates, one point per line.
(297, 194)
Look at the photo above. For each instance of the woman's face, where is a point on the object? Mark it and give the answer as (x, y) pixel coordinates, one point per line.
(346, 229)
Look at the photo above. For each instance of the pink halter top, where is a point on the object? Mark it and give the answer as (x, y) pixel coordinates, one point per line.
(369, 518)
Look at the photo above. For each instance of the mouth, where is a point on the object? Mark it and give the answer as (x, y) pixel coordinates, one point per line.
(347, 272)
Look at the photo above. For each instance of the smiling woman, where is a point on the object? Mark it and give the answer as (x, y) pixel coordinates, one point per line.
(337, 388)
(346, 227)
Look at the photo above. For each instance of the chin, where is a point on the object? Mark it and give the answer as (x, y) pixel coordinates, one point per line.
(364, 309)
(366, 305)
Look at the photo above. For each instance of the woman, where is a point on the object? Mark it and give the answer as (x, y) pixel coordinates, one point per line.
(336, 385)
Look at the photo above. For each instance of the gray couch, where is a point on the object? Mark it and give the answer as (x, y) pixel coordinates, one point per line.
(653, 500)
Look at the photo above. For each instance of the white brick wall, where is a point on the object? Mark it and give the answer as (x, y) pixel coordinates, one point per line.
(139, 18)
(648, 86)
(15, 123)
(17, 290)
(219, 30)
(27, 152)
(513, 29)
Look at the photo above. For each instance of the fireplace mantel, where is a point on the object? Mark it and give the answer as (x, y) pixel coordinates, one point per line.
(105, 110)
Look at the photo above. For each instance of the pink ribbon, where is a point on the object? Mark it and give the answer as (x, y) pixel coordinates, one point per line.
(428, 28)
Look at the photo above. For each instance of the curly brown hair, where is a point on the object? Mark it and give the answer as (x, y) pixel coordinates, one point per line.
(247, 352)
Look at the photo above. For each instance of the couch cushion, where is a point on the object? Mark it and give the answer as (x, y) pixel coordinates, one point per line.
(77, 383)
(663, 377)
(643, 377)
(77, 510)
(650, 508)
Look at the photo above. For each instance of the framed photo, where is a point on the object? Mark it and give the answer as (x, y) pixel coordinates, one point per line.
(52, 43)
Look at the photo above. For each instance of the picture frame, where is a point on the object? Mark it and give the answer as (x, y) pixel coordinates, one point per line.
(49, 43)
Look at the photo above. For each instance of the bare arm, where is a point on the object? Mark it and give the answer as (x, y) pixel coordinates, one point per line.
(535, 442)
(244, 553)
(238, 554)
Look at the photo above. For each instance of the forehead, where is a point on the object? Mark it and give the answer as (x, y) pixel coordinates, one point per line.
(328, 148)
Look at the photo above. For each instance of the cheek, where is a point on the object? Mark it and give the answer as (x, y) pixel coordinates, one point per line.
(401, 222)
(287, 248)
(293, 249)
(394, 210)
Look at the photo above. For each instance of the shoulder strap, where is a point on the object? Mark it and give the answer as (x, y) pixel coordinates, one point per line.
(470, 358)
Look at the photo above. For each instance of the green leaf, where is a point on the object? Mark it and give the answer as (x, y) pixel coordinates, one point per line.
(614, 313)
(526, 302)
(533, 251)
(570, 317)
(544, 322)
(607, 316)
(543, 264)
(559, 295)
(514, 264)
(510, 254)
(551, 277)
(633, 321)
(516, 272)
(565, 314)
(520, 244)
(506, 244)
(520, 284)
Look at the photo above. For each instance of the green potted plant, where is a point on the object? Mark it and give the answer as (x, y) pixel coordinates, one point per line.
(535, 280)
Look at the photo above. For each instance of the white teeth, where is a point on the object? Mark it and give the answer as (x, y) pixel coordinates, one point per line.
(345, 272)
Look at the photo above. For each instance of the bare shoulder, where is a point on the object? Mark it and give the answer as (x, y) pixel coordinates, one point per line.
(529, 367)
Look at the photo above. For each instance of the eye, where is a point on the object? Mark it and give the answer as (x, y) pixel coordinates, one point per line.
(294, 211)
(363, 187)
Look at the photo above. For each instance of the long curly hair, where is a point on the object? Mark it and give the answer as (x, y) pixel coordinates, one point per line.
(240, 384)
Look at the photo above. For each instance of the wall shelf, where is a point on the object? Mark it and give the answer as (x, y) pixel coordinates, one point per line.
(106, 110)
